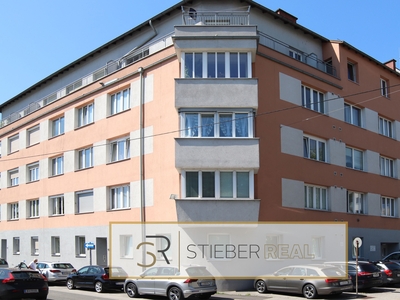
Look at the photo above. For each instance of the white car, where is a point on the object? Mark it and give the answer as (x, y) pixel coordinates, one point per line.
(55, 271)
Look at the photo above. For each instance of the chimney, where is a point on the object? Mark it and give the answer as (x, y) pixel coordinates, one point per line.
(391, 64)
(286, 16)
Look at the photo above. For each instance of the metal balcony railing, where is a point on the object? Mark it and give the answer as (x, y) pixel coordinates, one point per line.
(216, 18)
(111, 67)
(309, 59)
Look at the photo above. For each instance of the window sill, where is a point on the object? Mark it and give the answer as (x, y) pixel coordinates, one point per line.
(80, 256)
(33, 181)
(117, 161)
(84, 213)
(119, 209)
(58, 175)
(60, 215)
(83, 169)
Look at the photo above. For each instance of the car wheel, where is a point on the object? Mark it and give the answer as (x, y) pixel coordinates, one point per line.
(261, 287)
(70, 284)
(309, 291)
(98, 287)
(131, 290)
(174, 293)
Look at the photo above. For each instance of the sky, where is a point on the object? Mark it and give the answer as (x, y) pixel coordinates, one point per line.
(39, 37)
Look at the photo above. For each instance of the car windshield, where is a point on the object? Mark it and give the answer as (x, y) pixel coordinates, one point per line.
(26, 275)
(334, 272)
(392, 266)
(196, 271)
(368, 268)
(3, 261)
(116, 272)
(63, 266)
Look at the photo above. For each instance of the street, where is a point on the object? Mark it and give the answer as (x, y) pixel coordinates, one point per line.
(60, 292)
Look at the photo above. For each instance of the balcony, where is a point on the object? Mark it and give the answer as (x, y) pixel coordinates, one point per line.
(215, 18)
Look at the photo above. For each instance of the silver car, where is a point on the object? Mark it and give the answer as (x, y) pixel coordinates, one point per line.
(172, 282)
(309, 280)
(55, 271)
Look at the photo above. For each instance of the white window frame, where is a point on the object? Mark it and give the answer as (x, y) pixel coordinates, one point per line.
(356, 203)
(223, 239)
(315, 101)
(196, 130)
(34, 245)
(16, 245)
(126, 246)
(85, 158)
(56, 205)
(386, 127)
(80, 250)
(318, 247)
(217, 184)
(58, 126)
(353, 163)
(14, 211)
(82, 196)
(352, 120)
(320, 154)
(55, 246)
(384, 88)
(387, 166)
(115, 146)
(14, 180)
(120, 101)
(295, 54)
(57, 165)
(161, 245)
(33, 172)
(311, 200)
(388, 207)
(11, 141)
(31, 131)
(86, 115)
(33, 208)
(117, 199)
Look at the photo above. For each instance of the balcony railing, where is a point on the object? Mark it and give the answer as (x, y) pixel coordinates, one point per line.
(216, 18)
(309, 59)
(111, 67)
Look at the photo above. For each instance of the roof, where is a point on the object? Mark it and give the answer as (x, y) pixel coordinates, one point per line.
(138, 28)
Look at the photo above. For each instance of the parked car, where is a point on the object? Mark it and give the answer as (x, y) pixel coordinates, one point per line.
(309, 280)
(3, 263)
(368, 275)
(394, 256)
(391, 269)
(55, 271)
(22, 283)
(172, 282)
(97, 278)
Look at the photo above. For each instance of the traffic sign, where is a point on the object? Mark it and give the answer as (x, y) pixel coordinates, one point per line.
(89, 245)
(357, 242)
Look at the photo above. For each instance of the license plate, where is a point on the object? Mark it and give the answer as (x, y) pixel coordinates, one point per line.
(398, 275)
(119, 283)
(31, 291)
(344, 282)
(207, 283)
(376, 275)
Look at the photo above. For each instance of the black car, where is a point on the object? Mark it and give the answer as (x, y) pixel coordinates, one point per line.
(391, 269)
(368, 275)
(97, 278)
(22, 283)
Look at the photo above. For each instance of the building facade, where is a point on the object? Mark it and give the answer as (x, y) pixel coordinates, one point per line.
(209, 111)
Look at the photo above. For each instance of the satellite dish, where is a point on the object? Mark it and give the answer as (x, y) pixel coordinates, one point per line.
(192, 13)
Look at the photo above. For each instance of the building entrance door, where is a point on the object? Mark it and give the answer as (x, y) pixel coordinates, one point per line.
(101, 251)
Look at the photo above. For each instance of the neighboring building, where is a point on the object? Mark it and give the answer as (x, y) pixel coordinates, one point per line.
(210, 111)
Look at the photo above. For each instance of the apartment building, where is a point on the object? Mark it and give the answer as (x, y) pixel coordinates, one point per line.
(210, 111)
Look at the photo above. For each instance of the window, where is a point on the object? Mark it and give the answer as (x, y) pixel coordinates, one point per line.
(387, 166)
(388, 207)
(223, 240)
(85, 158)
(33, 135)
(217, 124)
(84, 202)
(120, 149)
(14, 211)
(58, 126)
(13, 144)
(120, 197)
(352, 114)
(57, 166)
(33, 172)
(162, 244)
(16, 249)
(216, 65)
(56, 205)
(314, 148)
(80, 246)
(386, 127)
(351, 71)
(384, 88)
(355, 203)
(33, 206)
(35, 245)
(315, 197)
(120, 101)
(312, 99)
(329, 66)
(126, 249)
(354, 158)
(295, 54)
(317, 248)
(85, 115)
(55, 246)
(14, 177)
(218, 184)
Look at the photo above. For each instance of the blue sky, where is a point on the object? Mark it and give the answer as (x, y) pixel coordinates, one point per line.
(39, 37)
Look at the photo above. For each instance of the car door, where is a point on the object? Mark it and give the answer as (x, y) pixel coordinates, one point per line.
(145, 283)
(91, 275)
(80, 277)
(295, 280)
(164, 276)
(277, 282)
